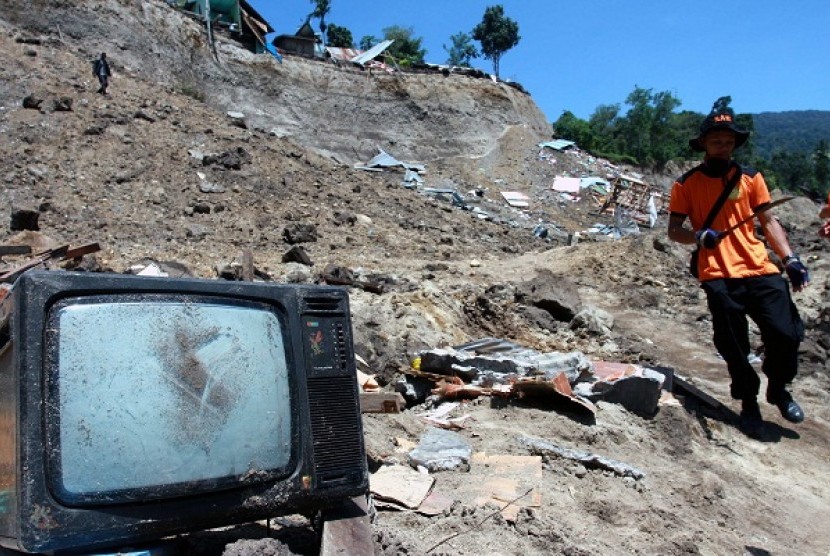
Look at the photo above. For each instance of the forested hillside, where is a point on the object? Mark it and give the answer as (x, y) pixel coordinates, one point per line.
(793, 131)
(791, 148)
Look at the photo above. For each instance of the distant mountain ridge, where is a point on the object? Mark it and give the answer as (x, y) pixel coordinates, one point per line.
(793, 131)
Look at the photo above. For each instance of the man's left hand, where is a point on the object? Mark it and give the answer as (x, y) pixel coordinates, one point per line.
(797, 272)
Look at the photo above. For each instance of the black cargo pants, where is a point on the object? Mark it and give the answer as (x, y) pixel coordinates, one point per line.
(766, 300)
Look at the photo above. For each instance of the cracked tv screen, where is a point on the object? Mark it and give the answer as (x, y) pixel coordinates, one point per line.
(155, 394)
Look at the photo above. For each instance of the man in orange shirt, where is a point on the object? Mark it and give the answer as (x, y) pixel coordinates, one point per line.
(735, 271)
(824, 231)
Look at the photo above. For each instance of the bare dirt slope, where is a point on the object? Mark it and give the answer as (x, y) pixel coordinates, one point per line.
(160, 171)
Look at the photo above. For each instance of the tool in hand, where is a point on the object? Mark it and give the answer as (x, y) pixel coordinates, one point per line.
(758, 211)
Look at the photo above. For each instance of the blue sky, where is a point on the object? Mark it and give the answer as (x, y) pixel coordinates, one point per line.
(769, 56)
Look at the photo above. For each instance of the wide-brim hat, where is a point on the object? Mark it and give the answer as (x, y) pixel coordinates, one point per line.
(724, 119)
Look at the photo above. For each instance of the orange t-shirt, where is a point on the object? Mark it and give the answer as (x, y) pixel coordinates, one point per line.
(740, 254)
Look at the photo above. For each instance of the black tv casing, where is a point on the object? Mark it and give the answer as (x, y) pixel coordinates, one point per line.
(328, 461)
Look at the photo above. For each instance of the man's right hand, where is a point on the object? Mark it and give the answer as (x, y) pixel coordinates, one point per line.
(707, 238)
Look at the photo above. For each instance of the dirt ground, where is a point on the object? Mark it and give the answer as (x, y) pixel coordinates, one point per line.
(159, 171)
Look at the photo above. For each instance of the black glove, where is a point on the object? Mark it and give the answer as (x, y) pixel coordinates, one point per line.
(797, 272)
(707, 238)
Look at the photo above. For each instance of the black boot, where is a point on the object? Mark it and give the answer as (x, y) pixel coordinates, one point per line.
(752, 424)
(789, 408)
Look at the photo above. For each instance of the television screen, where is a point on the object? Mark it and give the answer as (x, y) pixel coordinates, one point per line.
(134, 408)
(165, 403)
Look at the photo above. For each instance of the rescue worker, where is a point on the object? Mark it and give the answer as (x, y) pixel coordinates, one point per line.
(101, 70)
(824, 231)
(734, 269)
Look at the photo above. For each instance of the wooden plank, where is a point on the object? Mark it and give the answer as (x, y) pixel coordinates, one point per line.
(82, 250)
(56, 253)
(15, 250)
(247, 265)
(381, 402)
(347, 530)
(681, 386)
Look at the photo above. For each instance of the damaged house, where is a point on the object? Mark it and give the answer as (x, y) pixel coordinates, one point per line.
(305, 42)
(238, 17)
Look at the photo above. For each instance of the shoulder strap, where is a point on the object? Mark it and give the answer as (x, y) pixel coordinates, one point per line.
(727, 189)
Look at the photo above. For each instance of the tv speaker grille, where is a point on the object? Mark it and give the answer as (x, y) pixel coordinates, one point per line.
(323, 304)
(335, 429)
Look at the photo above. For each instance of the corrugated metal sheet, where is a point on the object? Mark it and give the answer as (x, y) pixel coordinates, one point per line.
(557, 144)
(516, 199)
(386, 160)
(344, 54)
(372, 53)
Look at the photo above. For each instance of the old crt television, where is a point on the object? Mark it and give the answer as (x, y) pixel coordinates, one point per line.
(134, 408)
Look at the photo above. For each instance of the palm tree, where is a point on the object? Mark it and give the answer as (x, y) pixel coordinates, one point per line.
(321, 9)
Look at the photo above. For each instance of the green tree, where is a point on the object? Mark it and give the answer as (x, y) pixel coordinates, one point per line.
(792, 170)
(497, 34)
(646, 132)
(569, 127)
(636, 127)
(665, 142)
(321, 10)
(603, 123)
(367, 42)
(339, 36)
(406, 50)
(686, 124)
(462, 50)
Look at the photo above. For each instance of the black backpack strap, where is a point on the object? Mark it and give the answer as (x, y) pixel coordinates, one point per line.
(727, 189)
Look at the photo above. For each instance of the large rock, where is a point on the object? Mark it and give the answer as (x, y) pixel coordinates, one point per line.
(555, 294)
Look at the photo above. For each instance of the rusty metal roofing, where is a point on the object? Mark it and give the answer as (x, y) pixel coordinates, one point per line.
(344, 54)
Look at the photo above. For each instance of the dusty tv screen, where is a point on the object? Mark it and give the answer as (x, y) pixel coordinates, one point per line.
(187, 394)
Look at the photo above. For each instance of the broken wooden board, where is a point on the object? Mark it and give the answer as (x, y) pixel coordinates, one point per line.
(15, 250)
(400, 484)
(381, 402)
(81, 250)
(502, 479)
(681, 386)
(59, 253)
(347, 529)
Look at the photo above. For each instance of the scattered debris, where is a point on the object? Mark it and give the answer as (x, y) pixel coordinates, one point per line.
(557, 145)
(546, 448)
(441, 450)
(506, 478)
(400, 486)
(45, 258)
(341, 276)
(386, 160)
(641, 200)
(516, 199)
(636, 388)
(381, 402)
(438, 417)
(565, 184)
(559, 388)
(297, 254)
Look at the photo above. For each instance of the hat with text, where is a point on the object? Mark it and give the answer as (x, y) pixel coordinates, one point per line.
(723, 118)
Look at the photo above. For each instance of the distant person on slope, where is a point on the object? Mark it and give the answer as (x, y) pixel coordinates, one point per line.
(824, 231)
(101, 70)
(734, 270)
